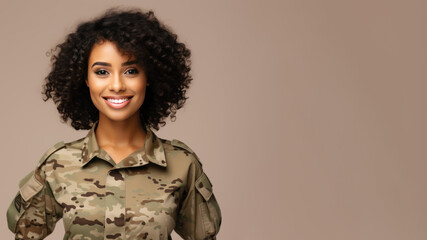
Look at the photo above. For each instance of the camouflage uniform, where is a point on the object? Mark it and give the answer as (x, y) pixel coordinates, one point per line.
(158, 188)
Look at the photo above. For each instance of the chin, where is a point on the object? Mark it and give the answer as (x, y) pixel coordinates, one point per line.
(118, 116)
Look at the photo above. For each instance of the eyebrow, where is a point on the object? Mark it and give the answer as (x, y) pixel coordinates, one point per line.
(109, 65)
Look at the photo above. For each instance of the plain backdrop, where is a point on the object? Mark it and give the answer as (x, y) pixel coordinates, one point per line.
(309, 116)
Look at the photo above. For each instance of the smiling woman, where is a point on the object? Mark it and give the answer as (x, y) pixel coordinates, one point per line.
(117, 88)
(119, 76)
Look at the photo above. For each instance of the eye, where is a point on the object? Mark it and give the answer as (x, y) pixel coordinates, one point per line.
(132, 71)
(101, 72)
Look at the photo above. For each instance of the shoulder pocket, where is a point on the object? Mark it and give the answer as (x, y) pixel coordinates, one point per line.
(30, 188)
(209, 210)
(204, 186)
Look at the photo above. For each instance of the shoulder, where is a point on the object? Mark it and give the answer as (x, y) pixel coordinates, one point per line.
(53, 149)
(76, 144)
(181, 145)
(61, 149)
(32, 183)
(177, 149)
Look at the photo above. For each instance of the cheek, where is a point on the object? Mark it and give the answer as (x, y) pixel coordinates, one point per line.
(95, 85)
(141, 93)
(94, 91)
(140, 87)
(92, 94)
(94, 99)
(140, 90)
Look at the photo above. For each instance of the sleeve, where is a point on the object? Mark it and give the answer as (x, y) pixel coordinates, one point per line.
(200, 216)
(34, 211)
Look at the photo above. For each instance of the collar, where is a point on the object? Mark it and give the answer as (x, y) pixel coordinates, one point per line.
(152, 151)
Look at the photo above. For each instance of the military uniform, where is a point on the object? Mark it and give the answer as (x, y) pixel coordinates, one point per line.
(158, 188)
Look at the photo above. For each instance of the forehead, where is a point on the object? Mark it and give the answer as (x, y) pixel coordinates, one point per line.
(107, 51)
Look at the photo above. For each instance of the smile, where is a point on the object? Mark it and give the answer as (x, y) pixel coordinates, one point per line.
(115, 102)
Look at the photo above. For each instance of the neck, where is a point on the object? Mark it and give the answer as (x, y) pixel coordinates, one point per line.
(120, 133)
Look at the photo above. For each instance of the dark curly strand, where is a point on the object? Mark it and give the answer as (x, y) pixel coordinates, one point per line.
(165, 61)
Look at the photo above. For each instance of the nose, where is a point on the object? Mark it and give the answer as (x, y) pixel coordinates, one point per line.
(117, 83)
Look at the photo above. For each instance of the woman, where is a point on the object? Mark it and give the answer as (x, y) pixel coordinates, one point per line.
(119, 76)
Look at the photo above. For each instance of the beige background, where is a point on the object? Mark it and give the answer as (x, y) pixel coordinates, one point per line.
(309, 116)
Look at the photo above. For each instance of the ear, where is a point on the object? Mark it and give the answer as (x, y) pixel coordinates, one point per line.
(87, 83)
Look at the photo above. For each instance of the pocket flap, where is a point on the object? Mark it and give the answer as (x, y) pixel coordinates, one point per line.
(204, 186)
(30, 188)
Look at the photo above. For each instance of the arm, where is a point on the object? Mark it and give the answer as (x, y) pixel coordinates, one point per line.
(200, 215)
(34, 211)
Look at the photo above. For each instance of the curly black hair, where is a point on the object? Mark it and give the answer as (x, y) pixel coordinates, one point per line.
(165, 61)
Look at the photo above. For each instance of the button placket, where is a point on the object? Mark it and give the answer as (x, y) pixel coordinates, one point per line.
(115, 203)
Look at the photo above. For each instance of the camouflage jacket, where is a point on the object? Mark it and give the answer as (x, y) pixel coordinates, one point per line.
(159, 188)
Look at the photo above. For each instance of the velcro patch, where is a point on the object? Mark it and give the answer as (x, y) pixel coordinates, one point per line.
(18, 202)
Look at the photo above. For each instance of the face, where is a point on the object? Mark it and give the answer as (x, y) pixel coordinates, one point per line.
(116, 83)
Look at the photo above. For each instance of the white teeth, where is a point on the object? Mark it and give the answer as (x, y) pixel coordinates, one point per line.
(117, 100)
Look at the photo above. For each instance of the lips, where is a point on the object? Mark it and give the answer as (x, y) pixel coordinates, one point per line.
(117, 101)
